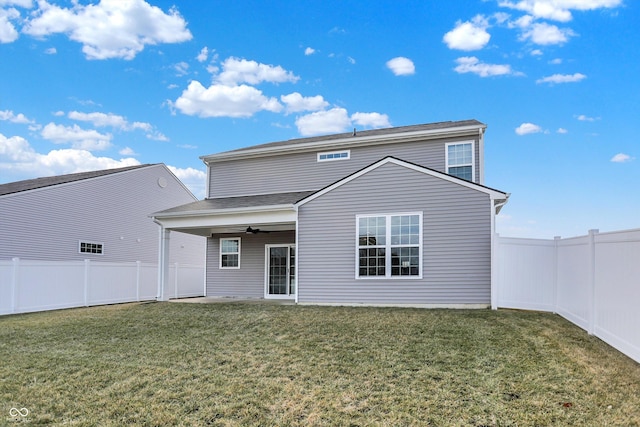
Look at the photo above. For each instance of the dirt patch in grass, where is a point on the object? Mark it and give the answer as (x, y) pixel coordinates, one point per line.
(259, 364)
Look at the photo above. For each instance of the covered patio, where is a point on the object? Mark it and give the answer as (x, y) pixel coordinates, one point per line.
(250, 226)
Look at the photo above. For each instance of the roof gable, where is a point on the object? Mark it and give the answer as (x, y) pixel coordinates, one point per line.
(37, 183)
(493, 194)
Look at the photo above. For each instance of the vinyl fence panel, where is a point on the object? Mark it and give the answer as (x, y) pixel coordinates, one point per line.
(595, 281)
(27, 285)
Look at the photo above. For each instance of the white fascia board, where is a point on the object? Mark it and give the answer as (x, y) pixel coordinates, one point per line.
(230, 211)
(229, 219)
(390, 138)
(493, 194)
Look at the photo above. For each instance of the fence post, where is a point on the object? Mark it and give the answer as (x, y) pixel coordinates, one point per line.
(14, 284)
(556, 241)
(592, 281)
(495, 277)
(86, 282)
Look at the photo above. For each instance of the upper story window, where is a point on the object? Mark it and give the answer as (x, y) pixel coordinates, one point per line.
(389, 246)
(334, 155)
(230, 253)
(90, 248)
(460, 160)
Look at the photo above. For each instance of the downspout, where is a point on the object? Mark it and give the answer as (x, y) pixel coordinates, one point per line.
(297, 242)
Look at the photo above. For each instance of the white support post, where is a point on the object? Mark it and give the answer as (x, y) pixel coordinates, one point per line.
(163, 264)
(592, 281)
(86, 282)
(138, 265)
(175, 285)
(14, 284)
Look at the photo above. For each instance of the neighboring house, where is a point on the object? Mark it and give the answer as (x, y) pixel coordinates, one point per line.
(396, 216)
(100, 216)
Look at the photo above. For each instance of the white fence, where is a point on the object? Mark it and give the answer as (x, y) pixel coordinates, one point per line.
(27, 285)
(593, 281)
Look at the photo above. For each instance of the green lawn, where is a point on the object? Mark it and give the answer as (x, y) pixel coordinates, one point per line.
(266, 365)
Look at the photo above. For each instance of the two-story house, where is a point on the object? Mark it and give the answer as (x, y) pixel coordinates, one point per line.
(396, 216)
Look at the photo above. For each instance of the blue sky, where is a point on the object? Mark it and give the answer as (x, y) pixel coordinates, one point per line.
(92, 85)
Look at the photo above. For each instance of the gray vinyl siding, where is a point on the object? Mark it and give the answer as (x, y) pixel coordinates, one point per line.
(301, 171)
(48, 223)
(248, 280)
(456, 241)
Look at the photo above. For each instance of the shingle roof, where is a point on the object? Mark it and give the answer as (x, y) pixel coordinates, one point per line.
(363, 133)
(239, 202)
(33, 184)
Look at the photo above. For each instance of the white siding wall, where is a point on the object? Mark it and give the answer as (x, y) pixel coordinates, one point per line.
(456, 251)
(246, 177)
(46, 224)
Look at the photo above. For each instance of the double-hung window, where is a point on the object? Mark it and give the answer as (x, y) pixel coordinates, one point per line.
(459, 160)
(230, 253)
(389, 246)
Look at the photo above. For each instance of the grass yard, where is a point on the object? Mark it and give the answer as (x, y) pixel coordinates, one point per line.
(267, 365)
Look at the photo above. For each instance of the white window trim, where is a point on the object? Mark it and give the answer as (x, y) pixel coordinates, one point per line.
(89, 242)
(229, 253)
(388, 246)
(473, 158)
(348, 156)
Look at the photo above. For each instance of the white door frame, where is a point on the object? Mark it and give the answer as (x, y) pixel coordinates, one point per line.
(289, 246)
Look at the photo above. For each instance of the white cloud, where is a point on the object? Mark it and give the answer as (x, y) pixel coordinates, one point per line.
(309, 51)
(17, 157)
(117, 122)
(469, 35)
(127, 151)
(100, 119)
(562, 78)
(295, 102)
(111, 28)
(9, 116)
(82, 139)
(584, 118)
(51, 51)
(536, 52)
(194, 179)
(8, 32)
(562, 131)
(182, 68)
(235, 71)
(542, 33)
(27, 4)
(528, 128)
(203, 55)
(371, 120)
(335, 120)
(558, 10)
(401, 66)
(224, 101)
(556, 61)
(621, 158)
(471, 64)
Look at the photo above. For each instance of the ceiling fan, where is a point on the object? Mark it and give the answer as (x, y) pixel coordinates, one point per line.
(250, 230)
